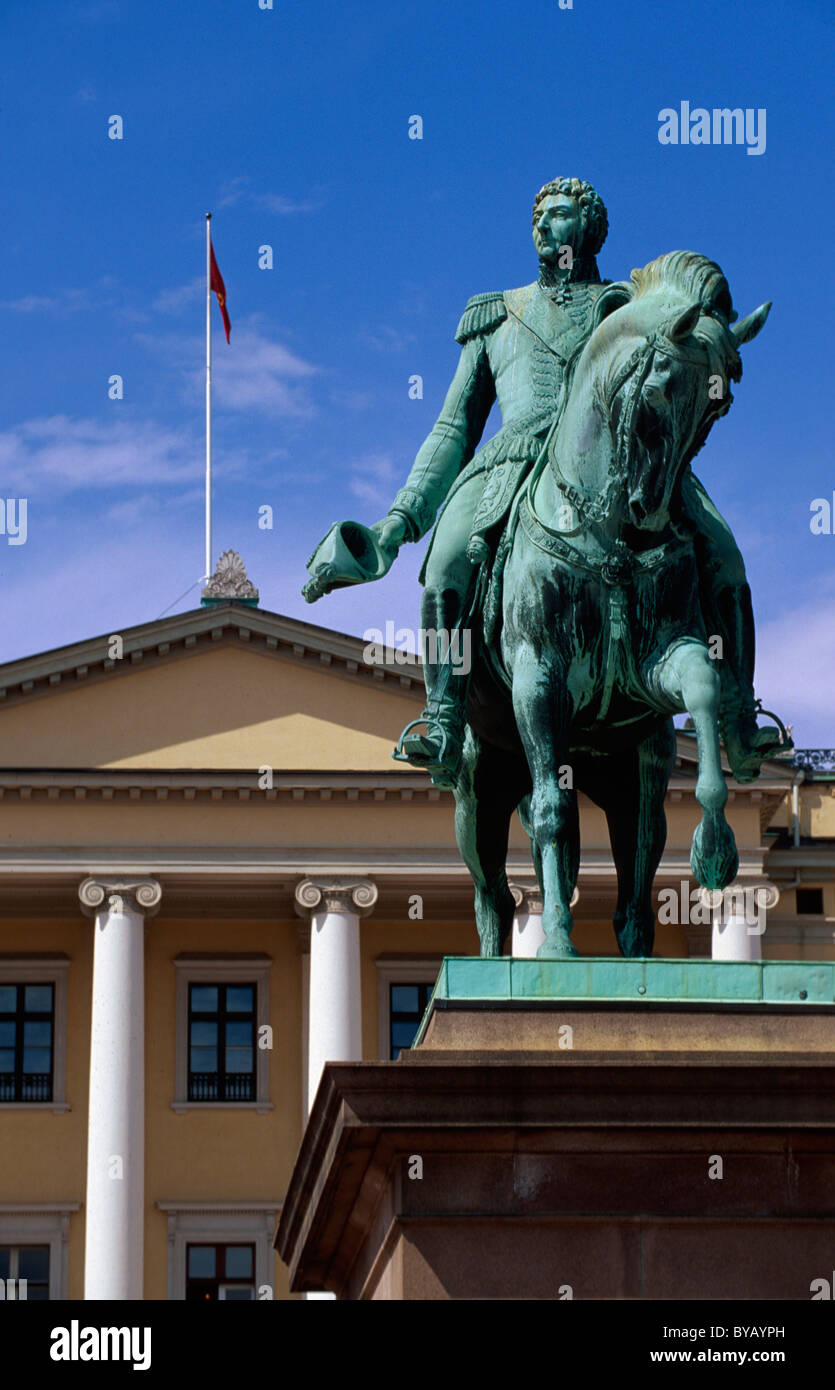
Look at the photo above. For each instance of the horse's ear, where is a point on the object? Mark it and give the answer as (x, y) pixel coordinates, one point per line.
(748, 328)
(613, 297)
(682, 325)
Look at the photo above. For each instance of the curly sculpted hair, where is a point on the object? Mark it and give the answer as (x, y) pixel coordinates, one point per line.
(593, 213)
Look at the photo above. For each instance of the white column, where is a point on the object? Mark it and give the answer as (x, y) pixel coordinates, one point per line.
(335, 1018)
(115, 1206)
(528, 934)
(739, 920)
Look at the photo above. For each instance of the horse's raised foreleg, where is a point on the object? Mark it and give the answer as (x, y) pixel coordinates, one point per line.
(486, 794)
(541, 706)
(690, 678)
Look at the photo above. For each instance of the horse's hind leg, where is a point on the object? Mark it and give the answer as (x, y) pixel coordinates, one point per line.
(689, 677)
(540, 703)
(630, 788)
(490, 785)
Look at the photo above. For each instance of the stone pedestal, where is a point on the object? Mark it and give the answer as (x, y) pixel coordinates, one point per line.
(590, 1129)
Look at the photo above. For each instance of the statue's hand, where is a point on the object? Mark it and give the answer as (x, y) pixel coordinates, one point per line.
(390, 532)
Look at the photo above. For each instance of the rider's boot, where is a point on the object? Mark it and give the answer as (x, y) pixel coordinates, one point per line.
(746, 743)
(439, 750)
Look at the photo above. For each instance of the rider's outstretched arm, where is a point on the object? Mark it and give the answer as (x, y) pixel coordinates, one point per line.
(452, 442)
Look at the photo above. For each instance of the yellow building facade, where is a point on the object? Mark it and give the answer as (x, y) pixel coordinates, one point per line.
(208, 855)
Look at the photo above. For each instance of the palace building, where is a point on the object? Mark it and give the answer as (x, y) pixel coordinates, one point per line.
(214, 879)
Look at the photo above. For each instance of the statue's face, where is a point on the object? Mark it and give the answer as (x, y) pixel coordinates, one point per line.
(558, 223)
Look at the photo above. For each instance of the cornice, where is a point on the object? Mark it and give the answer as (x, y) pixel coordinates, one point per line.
(185, 634)
(213, 786)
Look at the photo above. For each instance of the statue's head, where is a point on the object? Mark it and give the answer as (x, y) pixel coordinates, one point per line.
(568, 212)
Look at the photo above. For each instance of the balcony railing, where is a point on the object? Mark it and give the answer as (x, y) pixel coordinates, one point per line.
(213, 1085)
(33, 1086)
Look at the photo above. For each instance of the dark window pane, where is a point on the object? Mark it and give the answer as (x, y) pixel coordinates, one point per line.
(239, 1059)
(238, 1034)
(37, 1295)
(37, 1034)
(404, 998)
(38, 998)
(7, 1034)
(5, 1261)
(243, 1295)
(33, 1262)
(201, 1261)
(402, 1034)
(203, 1034)
(36, 1059)
(809, 902)
(204, 1059)
(6, 1060)
(204, 998)
(240, 998)
(239, 1262)
(8, 999)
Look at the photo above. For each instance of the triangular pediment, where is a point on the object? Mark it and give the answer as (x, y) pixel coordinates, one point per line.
(222, 687)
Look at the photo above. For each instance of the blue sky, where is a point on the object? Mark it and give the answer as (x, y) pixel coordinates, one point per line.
(291, 126)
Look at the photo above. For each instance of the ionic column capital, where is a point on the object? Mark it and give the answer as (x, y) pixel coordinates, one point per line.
(141, 896)
(349, 896)
(527, 897)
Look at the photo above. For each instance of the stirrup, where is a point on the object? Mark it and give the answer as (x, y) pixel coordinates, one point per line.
(397, 753)
(785, 743)
(443, 773)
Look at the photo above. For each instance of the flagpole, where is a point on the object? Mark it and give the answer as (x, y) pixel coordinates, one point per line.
(208, 574)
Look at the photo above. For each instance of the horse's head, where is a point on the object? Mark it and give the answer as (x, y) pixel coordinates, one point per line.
(663, 357)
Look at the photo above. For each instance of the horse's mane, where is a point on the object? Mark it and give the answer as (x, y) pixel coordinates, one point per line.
(700, 281)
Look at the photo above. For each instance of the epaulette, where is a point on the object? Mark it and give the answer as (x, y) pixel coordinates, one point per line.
(482, 313)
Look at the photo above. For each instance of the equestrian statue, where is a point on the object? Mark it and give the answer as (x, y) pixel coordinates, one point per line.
(601, 588)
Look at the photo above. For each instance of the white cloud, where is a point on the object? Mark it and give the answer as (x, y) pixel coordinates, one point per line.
(373, 480)
(68, 301)
(239, 188)
(796, 668)
(63, 454)
(253, 373)
(181, 297)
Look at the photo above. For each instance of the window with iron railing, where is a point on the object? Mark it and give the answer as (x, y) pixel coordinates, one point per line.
(221, 1042)
(27, 1026)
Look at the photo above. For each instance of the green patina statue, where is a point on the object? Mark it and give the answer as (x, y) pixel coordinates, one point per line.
(605, 591)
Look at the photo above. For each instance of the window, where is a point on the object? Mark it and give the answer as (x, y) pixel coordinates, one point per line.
(223, 1042)
(221, 1047)
(27, 1024)
(29, 1263)
(405, 984)
(809, 902)
(33, 1031)
(407, 1005)
(215, 1272)
(221, 1250)
(34, 1245)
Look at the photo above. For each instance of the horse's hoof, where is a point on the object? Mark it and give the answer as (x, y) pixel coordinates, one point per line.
(556, 946)
(714, 860)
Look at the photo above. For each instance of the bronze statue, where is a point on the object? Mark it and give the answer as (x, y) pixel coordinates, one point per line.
(589, 562)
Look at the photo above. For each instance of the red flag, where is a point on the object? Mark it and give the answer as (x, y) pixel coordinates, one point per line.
(220, 290)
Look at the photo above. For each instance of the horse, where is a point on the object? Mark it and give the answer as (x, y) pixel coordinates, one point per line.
(602, 639)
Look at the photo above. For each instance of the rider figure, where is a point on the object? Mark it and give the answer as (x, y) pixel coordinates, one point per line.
(516, 348)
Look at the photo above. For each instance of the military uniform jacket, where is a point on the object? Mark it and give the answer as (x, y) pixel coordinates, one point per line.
(514, 350)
